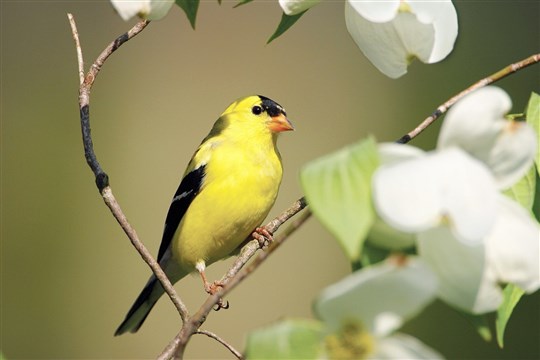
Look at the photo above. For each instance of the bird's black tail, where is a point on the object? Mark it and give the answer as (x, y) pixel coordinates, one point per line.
(141, 308)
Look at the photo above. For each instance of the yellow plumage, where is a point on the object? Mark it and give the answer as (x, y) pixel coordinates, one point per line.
(227, 190)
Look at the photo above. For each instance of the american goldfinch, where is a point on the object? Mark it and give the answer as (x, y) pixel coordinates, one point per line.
(227, 190)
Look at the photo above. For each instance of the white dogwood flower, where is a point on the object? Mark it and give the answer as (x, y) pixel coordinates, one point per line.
(393, 33)
(473, 237)
(362, 311)
(477, 125)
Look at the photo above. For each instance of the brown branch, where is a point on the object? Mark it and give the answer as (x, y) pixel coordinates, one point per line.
(102, 180)
(510, 69)
(223, 342)
(236, 274)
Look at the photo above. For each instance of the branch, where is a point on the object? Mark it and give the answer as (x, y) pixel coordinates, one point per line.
(510, 69)
(223, 342)
(234, 276)
(102, 179)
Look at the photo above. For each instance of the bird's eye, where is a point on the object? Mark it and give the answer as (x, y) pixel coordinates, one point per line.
(257, 110)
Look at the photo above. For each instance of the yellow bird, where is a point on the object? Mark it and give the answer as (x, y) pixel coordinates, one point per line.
(226, 192)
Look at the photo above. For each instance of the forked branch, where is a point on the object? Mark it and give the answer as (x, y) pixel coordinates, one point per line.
(102, 180)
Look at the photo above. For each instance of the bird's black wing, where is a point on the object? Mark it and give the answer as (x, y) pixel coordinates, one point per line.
(188, 189)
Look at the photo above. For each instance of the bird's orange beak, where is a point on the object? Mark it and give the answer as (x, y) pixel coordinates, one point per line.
(280, 123)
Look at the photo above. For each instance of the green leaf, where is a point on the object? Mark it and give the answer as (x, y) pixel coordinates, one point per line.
(288, 339)
(370, 255)
(511, 294)
(533, 119)
(338, 190)
(536, 202)
(480, 323)
(286, 22)
(384, 236)
(523, 191)
(190, 7)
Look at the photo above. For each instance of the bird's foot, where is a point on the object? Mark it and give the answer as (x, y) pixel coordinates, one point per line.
(221, 305)
(214, 288)
(263, 236)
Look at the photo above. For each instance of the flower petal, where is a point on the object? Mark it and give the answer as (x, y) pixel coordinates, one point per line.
(129, 8)
(415, 195)
(295, 7)
(513, 153)
(513, 247)
(406, 195)
(158, 10)
(390, 153)
(475, 122)
(392, 33)
(417, 37)
(469, 195)
(376, 11)
(443, 16)
(380, 43)
(381, 296)
(477, 125)
(403, 346)
(147, 9)
(460, 268)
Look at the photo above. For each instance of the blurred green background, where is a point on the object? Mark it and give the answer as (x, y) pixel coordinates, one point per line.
(69, 274)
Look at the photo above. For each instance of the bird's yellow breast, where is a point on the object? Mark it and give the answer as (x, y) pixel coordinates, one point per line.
(239, 188)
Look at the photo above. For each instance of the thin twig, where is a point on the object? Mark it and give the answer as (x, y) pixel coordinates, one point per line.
(113, 205)
(112, 47)
(223, 342)
(510, 69)
(78, 47)
(102, 180)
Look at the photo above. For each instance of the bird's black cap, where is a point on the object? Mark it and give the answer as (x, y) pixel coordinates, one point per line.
(272, 107)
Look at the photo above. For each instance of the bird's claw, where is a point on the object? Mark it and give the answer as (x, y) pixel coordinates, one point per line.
(263, 236)
(221, 305)
(214, 288)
